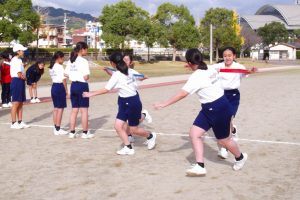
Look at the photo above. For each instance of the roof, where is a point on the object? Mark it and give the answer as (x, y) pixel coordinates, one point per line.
(257, 21)
(290, 13)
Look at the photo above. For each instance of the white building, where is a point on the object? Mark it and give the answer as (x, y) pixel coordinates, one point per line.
(281, 51)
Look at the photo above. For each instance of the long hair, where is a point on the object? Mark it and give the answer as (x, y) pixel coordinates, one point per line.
(195, 57)
(79, 46)
(38, 62)
(56, 55)
(122, 67)
(116, 57)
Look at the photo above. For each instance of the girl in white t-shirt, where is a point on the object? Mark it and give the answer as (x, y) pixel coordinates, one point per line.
(130, 106)
(216, 112)
(230, 82)
(78, 72)
(17, 87)
(59, 91)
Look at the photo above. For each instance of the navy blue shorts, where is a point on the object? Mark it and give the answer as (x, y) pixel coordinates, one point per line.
(31, 80)
(77, 88)
(58, 94)
(130, 109)
(17, 90)
(233, 97)
(216, 115)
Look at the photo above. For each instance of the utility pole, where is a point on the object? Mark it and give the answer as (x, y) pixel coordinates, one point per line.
(65, 28)
(36, 53)
(211, 44)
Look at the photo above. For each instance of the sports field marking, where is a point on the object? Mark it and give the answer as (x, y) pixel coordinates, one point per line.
(176, 134)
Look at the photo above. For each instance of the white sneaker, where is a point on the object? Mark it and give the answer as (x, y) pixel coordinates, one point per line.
(37, 100)
(24, 125)
(196, 170)
(125, 151)
(5, 105)
(148, 117)
(131, 139)
(60, 132)
(87, 136)
(16, 125)
(234, 133)
(10, 104)
(223, 153)
(72, 135)
(239, 164)
(151, 143)
(32, 100)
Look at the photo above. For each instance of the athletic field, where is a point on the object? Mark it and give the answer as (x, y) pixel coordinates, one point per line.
(36, 165)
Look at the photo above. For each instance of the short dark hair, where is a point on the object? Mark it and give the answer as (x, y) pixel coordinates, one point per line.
(233, 50)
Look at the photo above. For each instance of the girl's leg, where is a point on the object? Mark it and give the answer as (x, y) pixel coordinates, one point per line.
(84, 118)
(196, 134)
(55, 111)
(139, 131)
(120, 127)
(3, 94)
(34, 89)
(231, 145)
(14, 110)
(20, 111)
(30, 91)
(73, 118)
(59, 115)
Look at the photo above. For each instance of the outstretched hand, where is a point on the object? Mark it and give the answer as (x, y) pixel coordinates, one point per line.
(86, 94)
(253, 70)
(158, 106)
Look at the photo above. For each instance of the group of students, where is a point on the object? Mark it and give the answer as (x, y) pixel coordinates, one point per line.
(217, 91)
(33, 75)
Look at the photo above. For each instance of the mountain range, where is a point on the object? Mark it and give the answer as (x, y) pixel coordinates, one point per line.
(56, 16)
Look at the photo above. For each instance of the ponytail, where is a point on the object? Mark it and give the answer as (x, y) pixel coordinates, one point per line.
(56, 55)
(122, 67)
(74, 53)
(195, 57)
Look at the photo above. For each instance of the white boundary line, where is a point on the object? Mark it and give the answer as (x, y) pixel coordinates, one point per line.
(179, 135)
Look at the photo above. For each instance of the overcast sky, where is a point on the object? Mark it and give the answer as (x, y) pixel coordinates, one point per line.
(196, 7)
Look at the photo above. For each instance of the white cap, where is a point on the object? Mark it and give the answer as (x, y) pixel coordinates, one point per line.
(19, 47)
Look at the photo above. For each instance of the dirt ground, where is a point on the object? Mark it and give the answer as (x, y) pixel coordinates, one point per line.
(37, 165)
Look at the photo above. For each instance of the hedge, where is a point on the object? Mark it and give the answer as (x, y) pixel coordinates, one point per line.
(298, 54)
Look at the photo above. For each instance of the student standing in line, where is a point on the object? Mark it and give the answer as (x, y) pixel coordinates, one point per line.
(230, 82)
(216, 112)
(130, 106)
(33, 75)
(17, 87)
(78, 72)
(59, 91)
(5, 81)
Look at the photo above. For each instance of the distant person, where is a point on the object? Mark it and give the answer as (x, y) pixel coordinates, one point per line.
(59, 91)
(266, 56)
(5, 81)
(17, 87)
(33, 75)
(78, 71)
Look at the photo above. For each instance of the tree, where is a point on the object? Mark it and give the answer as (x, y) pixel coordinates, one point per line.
(18, 21)
(273, 32)
(226, 29)
(250, 38)
(177, 26)
(121, 22)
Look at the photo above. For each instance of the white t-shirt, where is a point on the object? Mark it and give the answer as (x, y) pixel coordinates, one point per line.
(205, 84)
(229, 81)
(78, 69)
(57, 73)
(16, 66)
(127, 85)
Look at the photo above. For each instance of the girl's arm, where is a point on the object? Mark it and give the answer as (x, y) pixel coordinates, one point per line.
(21, 76)
(86, 77)
(180, 95)
(66, 87)
(95, 93)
